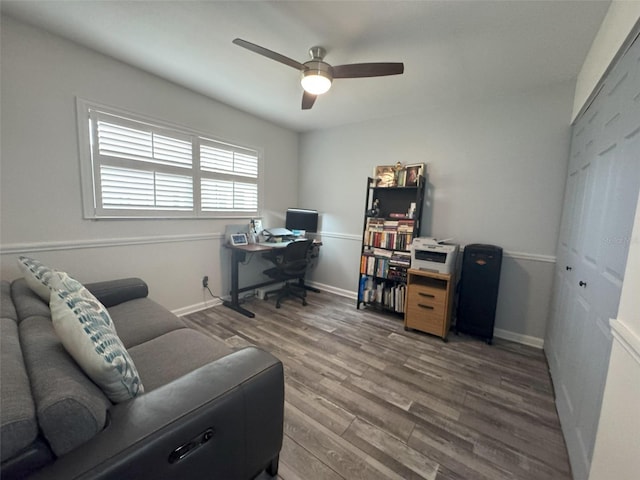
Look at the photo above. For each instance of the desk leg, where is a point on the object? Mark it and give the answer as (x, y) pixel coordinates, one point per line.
(234, 304)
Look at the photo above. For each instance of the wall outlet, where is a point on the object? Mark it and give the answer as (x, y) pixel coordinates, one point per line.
(205, 281)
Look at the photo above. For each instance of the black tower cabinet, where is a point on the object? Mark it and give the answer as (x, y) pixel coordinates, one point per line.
(478, 295)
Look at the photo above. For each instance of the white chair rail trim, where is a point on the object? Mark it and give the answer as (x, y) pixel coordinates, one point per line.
(626, 337)
(106, 242)
(194, 237)
(534, 257)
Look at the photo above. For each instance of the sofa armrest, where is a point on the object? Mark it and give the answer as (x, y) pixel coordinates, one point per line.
(114, 292)
(240, 398)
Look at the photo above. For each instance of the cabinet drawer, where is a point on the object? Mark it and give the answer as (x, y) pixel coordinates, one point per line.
(427, 293)
(426, 318)
(428, 302)
(417, 296)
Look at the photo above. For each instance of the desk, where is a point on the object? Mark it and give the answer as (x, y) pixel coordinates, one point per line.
(238, 254)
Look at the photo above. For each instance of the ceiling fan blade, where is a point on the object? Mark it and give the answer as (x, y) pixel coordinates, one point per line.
(359, 70)
(307, 100)
(269, 54)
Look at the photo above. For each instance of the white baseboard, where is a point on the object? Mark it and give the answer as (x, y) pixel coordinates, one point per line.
(335, 290)
(504, 334)
(180, 312)
(519, 338)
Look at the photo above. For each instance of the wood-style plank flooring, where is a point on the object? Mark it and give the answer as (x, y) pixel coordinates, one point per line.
(367, 400)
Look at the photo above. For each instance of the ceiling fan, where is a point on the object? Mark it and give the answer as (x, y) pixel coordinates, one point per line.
(317, 74)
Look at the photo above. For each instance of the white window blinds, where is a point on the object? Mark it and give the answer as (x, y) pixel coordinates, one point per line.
(142, 168)
(229, 177)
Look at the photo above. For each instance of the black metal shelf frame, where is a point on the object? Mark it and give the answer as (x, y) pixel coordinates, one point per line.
(389, 200)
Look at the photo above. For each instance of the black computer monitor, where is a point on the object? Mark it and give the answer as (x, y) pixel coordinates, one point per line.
(302, 219)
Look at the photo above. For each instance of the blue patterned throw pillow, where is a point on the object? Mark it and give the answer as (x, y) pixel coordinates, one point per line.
(37, 275)
(88, 334)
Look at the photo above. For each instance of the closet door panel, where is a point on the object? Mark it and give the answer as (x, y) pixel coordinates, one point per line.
(601, 195)
(597, 348)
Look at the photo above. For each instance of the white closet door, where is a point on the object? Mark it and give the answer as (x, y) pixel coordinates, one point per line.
(600, 201)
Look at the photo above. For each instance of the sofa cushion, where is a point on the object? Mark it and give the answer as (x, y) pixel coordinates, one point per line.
(140, 320)
(37, 276)
(175, 354)
(7, 309)
(18, 426)
(71, 408)
(87, 332)
(115, 292)
(29, 303)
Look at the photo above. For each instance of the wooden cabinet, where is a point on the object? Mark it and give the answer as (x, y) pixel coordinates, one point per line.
(429, 302)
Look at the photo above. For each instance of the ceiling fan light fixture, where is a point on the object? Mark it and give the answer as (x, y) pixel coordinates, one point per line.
(316, 81)
(317, 75)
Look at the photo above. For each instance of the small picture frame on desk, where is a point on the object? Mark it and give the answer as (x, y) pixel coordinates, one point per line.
(414, 172)
(237, 239)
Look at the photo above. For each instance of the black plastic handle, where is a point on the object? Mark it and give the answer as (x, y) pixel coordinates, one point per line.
(428, 307)
(193, 444)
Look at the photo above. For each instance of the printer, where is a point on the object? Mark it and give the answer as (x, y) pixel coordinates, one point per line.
(428, 253)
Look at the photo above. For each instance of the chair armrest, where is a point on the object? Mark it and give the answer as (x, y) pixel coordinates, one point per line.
(240, 397)
(114, 292)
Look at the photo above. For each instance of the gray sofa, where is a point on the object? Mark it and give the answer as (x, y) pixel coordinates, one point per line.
(207, 411)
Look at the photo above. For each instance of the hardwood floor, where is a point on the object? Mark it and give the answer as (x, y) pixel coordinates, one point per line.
(367, 400)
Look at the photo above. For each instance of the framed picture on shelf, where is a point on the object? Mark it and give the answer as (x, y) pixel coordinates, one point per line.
(413, 172)
(385, 176)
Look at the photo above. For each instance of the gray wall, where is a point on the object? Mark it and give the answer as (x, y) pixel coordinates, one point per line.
(40, 184)
(496, 173)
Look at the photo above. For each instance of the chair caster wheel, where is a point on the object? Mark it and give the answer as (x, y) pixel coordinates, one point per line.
(304, 303)
(277, 305)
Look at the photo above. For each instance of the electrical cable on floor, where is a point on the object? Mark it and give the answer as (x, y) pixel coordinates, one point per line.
(247, 296)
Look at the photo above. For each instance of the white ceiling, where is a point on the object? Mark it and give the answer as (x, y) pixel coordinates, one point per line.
(453, 51)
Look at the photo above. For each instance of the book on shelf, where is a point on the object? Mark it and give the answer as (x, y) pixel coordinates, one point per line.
(391, 297)
(385, 264)
(374, 266)
(401, 258)
(390, 224)
(397, 273)
(381, 252)
(389, 234)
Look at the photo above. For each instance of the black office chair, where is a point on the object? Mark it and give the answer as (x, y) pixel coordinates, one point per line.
(291, 264)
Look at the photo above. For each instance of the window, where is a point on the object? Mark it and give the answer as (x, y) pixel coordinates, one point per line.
(132, 167)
